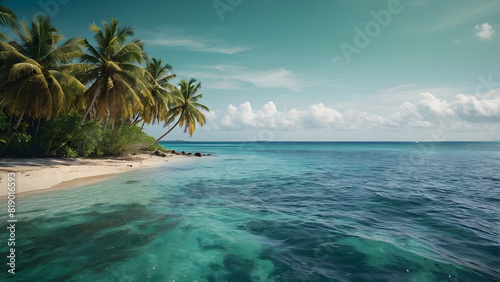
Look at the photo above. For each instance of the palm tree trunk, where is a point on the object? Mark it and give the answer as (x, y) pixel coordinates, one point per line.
(88, 109)
(37, 126)
(143, 123)
(179, 120)
(106, 123)
(21, 115)
(36, 130)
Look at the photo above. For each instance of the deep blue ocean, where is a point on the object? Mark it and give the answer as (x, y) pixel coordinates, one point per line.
(273, 212)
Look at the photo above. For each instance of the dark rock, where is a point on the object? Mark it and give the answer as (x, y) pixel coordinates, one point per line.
(174, 152)
(198, 154)
(160, 154)
(190, 154)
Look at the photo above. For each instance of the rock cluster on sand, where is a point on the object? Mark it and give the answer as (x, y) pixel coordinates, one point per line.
(197, 154)
(160, 154)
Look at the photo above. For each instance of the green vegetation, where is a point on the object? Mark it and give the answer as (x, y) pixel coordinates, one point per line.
(77, 98)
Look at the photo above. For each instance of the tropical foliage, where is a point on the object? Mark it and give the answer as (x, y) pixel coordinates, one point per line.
(86, 98)
(36, 73)
(7, 18)
(161, 92)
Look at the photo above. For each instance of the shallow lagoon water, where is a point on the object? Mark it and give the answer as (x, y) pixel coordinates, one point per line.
(274, 212)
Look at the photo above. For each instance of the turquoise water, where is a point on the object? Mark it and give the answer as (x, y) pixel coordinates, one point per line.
(274, 212)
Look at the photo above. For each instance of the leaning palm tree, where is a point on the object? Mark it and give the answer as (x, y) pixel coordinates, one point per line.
(7, 18)
(36, 74)
(188, 110)
(159, 86)
(117, 83)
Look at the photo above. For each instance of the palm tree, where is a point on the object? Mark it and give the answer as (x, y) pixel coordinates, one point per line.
(159, 86)
(161, 73)
(117, 82)
(188, 110)
(7, 18)
(36, 75)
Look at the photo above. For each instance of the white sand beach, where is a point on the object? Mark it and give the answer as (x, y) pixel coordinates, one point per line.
(36, 174)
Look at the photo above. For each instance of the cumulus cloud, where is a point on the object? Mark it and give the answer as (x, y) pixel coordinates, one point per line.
(427, 112)
(431, 106)
(473, 109)
(315, 116)
(484, 31)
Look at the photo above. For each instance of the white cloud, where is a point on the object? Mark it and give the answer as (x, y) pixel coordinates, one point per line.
(471, 108)
(223, 84)
(484, 31)
(465, 112)
(467, 14)
(320, 116)
(234, 77)
(211, 120)
(396, 88)
(430, 106)
(270, 78)
(169, 37)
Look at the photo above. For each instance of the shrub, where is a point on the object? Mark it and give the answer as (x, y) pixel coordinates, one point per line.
(13, 142)
(128, 139)
(88, 140)
(81, 142)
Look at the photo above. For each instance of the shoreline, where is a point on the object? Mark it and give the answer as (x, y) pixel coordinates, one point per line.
(47, 174)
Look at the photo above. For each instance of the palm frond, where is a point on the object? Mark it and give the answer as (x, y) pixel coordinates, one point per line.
(7, 17)
(21, 70)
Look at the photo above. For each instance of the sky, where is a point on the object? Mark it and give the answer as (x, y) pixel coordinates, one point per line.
(324, 70)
